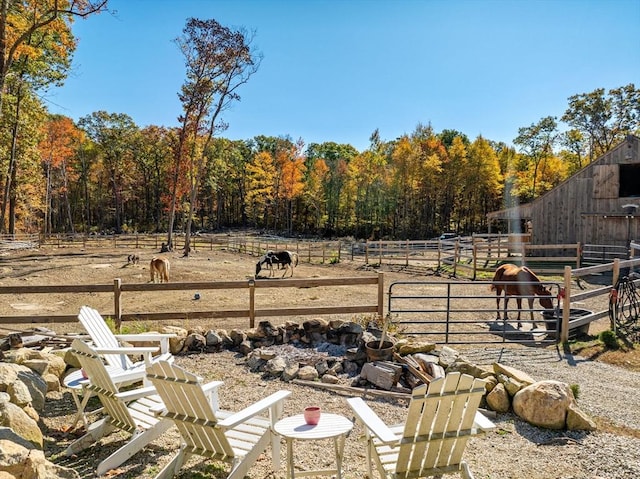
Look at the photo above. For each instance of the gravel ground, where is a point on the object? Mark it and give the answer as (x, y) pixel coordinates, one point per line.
(515, 450)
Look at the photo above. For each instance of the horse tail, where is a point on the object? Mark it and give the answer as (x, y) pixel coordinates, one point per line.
(295, 255)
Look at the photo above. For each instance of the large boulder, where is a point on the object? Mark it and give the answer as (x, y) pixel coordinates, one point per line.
(544, 404)
(14, 417)
(19, 459)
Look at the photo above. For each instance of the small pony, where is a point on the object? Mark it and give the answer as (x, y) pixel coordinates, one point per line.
(133, 259)
(524, 283)
(287, 259)
(159, 268)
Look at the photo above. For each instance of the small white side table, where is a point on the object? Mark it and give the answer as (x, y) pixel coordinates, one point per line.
(330, 426)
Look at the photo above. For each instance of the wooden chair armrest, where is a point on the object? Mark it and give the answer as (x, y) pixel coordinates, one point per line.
(254, 409)
(128, 350)
(482, 424)
(372, 421)
(162, 338)
(134, 394)
(211, 391)
(146, 336)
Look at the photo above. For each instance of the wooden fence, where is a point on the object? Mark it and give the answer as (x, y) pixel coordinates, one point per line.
(251, 312)
(470, 256)
(569, 296)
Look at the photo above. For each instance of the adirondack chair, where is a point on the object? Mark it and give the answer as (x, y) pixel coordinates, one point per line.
(121, 368)
(128, 411)
(236, 438)
(440, 419)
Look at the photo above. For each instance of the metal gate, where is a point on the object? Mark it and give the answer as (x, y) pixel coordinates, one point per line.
(455, 312)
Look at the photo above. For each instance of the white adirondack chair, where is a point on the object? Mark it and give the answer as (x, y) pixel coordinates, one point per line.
(236, 438)
(128, 411)
(121, 368)
(440, 419)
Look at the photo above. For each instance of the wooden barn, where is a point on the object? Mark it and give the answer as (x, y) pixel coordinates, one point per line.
(599, 205)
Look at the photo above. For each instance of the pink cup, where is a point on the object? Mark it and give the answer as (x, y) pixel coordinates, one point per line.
(312, 415)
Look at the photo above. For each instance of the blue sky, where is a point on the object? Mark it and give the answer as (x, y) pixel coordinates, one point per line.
(337, 70)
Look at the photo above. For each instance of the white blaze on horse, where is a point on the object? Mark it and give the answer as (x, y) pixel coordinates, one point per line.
(286, 259)
(159, 268)
(521, 282)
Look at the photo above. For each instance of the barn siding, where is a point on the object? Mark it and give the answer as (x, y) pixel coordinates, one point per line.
(586, 207)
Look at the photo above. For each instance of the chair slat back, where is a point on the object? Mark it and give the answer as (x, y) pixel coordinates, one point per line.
(103, 337)
(189, 407)
(439, 422)
(103, 386)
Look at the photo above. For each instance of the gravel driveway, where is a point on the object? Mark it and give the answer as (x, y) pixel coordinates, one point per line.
(515, 450)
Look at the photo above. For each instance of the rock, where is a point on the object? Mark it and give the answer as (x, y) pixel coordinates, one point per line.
(465, 367)
(213, 339)
(255, 363)
(8, 375)
(71, 359)
(308, 373)
(330, 379)
(245, 347)
(14, 417)
(322, 367)
(290, 371)
(237, 336)
(275, 367)
(511, 385)
(491, 382)
(19, 394)
(448, 356)
(498, 399)
(520, 376)
(544, 403)
(36, 385)
(578, 420)
(317, 325)
(176, 344)
(195, 342)
(415, 347)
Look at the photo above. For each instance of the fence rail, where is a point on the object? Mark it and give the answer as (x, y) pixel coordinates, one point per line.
(251, 312)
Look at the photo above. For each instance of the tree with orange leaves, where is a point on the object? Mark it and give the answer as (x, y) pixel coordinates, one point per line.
(58, 147)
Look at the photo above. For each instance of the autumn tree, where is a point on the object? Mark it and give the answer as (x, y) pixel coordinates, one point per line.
(58, 149)
(536, 142)
(114, 135)
(604, 119)
(292, 167)
(218, 61)
(336, 157)
(21, 20)
(261, 174)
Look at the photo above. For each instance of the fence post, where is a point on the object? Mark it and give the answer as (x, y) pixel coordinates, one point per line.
(366, 252)
(566, 306)
(407, 253)
(475, 260)
(616, 272)
(578, 255)
(117, 305)
(252, 303)
(339, 251)
(380, 252)
(380, 295)
(455, 257)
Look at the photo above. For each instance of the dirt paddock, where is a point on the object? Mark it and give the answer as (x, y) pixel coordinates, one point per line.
(74, 266)
(515, 450)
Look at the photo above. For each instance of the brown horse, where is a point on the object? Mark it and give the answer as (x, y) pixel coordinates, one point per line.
(159, 268)
(522, 283)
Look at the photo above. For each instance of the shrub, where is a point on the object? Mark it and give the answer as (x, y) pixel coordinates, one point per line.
(609, 339)
(575, 389)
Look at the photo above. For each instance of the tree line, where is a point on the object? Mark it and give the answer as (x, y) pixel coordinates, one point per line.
(105, 173)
